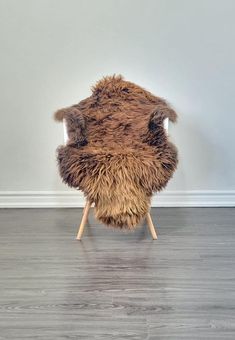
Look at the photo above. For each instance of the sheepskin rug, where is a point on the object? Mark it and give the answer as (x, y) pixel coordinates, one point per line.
(118, 152)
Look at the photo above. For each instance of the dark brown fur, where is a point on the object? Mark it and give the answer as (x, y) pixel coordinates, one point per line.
(118, 152)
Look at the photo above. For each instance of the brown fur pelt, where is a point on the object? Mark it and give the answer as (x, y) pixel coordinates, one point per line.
(118, 152)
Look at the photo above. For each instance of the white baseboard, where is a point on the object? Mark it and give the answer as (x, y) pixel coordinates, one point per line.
(64, 199)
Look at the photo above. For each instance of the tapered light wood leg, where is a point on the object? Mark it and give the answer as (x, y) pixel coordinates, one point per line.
(84, 220)
(151, 226)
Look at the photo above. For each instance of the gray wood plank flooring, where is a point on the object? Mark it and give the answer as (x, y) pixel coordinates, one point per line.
(115, 285)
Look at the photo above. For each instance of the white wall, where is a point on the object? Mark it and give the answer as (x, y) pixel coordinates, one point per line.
(52, 51)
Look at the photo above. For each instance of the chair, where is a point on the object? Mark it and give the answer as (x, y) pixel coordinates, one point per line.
(117, 151)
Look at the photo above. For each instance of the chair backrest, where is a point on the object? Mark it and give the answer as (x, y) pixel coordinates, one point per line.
(165, 124)
(65, 132)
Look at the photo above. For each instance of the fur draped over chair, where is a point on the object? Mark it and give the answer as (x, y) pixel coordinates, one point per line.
(118, 152)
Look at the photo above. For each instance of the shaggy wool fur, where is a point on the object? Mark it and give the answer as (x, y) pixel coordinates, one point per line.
(118, 152)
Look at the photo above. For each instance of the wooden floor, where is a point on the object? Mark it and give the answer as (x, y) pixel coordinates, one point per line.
(115, 285)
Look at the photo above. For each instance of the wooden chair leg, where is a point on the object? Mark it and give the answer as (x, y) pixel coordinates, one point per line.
(151, 226)
(84, 220)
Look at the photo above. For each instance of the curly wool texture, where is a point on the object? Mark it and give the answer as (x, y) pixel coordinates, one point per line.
(118, 152)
